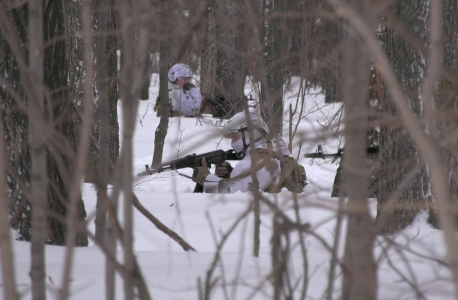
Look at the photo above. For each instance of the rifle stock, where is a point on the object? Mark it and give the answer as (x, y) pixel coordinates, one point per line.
(193, 161)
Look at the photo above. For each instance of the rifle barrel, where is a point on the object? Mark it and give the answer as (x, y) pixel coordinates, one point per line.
(339, 154)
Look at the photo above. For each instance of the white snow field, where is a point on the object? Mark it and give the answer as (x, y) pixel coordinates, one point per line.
(202, 220)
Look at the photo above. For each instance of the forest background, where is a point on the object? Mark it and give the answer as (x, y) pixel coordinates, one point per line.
(393, 64)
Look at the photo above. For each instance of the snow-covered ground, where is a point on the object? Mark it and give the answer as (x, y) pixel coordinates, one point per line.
(202, 220)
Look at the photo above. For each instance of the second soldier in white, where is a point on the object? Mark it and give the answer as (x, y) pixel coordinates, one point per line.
(185, 97)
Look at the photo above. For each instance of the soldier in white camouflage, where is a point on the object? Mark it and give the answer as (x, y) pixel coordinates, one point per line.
(267, 168)
(185, 97)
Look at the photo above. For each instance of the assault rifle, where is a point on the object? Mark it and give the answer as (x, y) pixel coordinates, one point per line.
(193, 161)
(319, 153)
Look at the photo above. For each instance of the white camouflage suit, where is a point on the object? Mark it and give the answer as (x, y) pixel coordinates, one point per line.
(269, 174)
(186, 101)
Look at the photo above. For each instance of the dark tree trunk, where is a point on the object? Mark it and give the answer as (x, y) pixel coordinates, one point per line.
(37, 144)
(109, 93)
(60, 167)
(113, 96)
(230, 62)
(208, 59)
(329, 49)
(447, 100)
(62, 110)
(398, 152)
(104, 119)
(7, 254)
(165, 48)
(112, 76)
(15, 124)
(314, 47)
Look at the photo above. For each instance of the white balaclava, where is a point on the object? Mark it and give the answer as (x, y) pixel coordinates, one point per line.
(238, 145)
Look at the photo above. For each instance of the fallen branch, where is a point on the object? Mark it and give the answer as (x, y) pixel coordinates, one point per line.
(160, 226)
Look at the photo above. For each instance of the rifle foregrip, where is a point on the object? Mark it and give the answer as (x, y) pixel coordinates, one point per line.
(313, 155)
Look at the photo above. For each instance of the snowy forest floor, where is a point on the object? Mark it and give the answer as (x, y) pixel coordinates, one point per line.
(202, 219)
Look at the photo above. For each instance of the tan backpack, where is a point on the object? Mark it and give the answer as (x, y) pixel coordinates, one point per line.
(293, 176)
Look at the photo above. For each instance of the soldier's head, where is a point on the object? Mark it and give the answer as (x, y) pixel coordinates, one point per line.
(237, 129)
(180, 74)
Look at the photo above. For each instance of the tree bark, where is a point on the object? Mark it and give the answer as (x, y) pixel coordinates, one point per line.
(37, 144)
(6, 253)
(112, 75)
(446, 99)
(165, 49)
(273, 50)
(73, 226)
(230, 62)
(133, 70)
(360, 276)
(208, 59)
(63, 113)
(113, 96)
(103, 114)
(14, 122)
(398, 152)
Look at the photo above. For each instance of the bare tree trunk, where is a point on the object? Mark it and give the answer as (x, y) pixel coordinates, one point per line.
(132, 75)
(129, 110)
(446, 99)
(273, 50)
(113, 95)
(6, 253)
(110, 239)
(165, 49)
(64, 114)
(208, 59)
(230, 63)
(429, 149)
(103, 114)
(73, 226)
(360, 277)
(112, 234)
(258, 50)
(398, 152)
(16, 126)
(39, 181)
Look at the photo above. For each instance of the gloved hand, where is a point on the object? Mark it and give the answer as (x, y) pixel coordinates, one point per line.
(188, 86)
(199, 174)
(223, 170)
